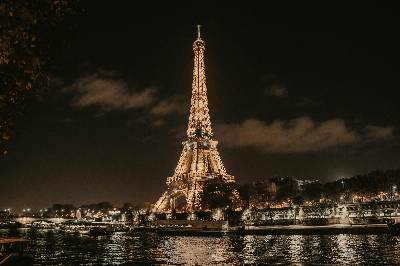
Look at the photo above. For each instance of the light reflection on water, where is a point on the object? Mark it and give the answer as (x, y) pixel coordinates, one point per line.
(55, 248)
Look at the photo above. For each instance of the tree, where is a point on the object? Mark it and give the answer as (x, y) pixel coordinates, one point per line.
(219, 194)
(63, 207)
(297, 200)
(127, 207)
(25, 28)
(245, 192)
(101, 206)
(312, 191)
(287, 189)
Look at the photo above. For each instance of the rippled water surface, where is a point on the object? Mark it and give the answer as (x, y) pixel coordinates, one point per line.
(56, 248)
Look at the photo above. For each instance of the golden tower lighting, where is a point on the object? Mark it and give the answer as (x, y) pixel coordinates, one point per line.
(199, 160)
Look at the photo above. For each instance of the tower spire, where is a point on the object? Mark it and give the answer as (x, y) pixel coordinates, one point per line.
(198, 32)
(199, 118)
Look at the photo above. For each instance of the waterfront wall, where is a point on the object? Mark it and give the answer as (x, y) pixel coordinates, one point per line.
(198, 224)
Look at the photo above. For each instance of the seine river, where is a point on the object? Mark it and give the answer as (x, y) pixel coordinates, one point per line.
(56, 248)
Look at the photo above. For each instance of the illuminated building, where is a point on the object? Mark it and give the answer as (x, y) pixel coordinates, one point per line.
(199, 160)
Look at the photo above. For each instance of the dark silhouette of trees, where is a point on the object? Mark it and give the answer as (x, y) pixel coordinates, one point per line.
(26, 29)
(312, 191)
(288, 189)
(245, 192)
(127, 206)
(297, 200)
(101, 206)
(63, 207)
(219, 194)
(257, 192)
(367, 184)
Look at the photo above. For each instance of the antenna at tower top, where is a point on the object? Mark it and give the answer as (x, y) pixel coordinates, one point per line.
(198, 32)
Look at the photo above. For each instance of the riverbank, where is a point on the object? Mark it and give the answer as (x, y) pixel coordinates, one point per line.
(277, 230)
(216, 228)
(316, 230)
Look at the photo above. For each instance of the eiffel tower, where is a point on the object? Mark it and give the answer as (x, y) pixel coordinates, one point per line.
(199, 160)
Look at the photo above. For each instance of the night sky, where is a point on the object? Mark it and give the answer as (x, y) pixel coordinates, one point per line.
(306, 91)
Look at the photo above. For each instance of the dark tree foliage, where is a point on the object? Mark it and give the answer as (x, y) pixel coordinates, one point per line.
(101, 206)
(245, 192)
(367, 184)
(312, 191)
(63, 207)
(25, 34)
(287, 189)
(59, 208)
(218, 194)
(127, 206)
(298, 200)
(255, 192)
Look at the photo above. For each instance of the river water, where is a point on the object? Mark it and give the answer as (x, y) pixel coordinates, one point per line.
(57, 248)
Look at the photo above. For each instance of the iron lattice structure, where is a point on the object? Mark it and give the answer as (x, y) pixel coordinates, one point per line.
(199, 160)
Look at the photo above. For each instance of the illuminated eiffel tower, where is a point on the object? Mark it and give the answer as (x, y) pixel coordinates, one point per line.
(199, 160)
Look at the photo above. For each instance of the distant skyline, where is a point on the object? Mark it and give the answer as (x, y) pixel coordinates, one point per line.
(293, 91)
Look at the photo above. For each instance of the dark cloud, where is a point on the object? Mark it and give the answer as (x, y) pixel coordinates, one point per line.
(109, 93)
(274, 86)
(157, 122)
(377, 133)
(299, 135)
(306, 102)
(277, 90)
(173, 105)
(104, 90)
